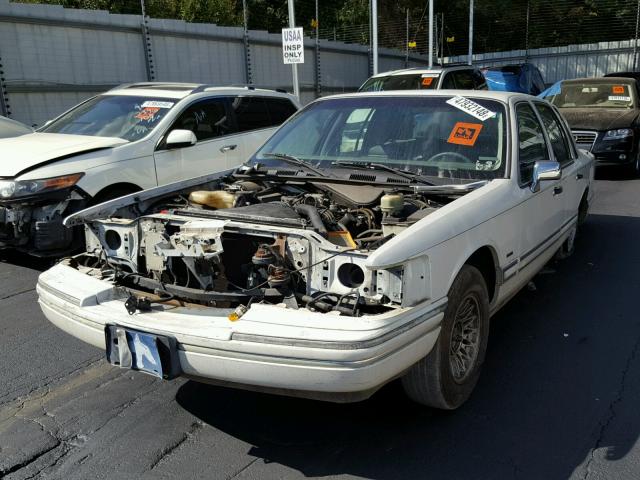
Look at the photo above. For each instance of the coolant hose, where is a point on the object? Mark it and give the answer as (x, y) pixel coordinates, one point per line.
(314, 217)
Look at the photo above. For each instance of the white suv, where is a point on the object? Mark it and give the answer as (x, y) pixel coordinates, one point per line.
(134, 137)
(447, 77)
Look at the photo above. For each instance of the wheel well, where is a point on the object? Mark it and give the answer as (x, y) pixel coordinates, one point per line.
(114, 191)
(484, 259)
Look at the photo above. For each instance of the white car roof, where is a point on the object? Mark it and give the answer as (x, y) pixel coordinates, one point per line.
(488, 94)
(423, 70)
(179, 91)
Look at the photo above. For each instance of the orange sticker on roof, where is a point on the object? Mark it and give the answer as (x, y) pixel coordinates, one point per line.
(427, 81)
(465, 133)
(617, 89)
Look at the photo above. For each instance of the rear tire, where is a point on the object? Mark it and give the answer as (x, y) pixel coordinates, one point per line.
(446, 377)
(634, 169)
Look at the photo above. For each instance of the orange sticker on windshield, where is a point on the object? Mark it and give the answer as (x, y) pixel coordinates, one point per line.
(465, 133)
(427, 81)
(617, 89)
(147, 114)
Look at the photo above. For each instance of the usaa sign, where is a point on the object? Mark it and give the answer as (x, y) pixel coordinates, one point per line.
(292, 45)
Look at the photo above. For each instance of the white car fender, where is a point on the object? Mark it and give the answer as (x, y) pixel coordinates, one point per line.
(130, 163)
(448, 237)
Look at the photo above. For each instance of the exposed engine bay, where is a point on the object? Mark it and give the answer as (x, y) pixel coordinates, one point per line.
(239, 241)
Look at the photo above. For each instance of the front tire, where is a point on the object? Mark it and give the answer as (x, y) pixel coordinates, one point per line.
(446, 377)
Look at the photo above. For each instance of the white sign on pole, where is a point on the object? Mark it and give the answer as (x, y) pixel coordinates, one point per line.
(292, 45)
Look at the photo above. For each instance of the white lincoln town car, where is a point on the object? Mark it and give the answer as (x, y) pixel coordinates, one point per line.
(371, 238)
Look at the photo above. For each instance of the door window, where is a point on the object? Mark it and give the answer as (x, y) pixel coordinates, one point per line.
(479, 81)
(557, 136)
(279, 109)
(206, 119)
(463, 79)
(447, 82)
(531, 143)
(251, 113)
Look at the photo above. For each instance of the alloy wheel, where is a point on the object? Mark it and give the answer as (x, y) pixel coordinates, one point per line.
(465, 339)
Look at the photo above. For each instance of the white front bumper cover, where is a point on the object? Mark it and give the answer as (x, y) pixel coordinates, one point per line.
(271, 348)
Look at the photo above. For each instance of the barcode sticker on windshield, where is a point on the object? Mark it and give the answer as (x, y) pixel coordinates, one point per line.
(619, 98)
(154, 104)
(471, 107)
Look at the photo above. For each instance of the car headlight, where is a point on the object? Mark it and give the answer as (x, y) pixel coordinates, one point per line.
(24, 188)
(618, 134)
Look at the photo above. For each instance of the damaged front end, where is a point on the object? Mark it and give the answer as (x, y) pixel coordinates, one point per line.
(295, 244)
(32, 211)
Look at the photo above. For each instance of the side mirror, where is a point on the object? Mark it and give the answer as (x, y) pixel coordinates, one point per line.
(181, 139)
(545, 170)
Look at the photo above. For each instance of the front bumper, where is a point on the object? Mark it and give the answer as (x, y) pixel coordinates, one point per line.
(614, 152)
(271, 348)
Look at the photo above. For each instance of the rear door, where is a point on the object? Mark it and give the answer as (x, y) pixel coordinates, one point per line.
(218, 140)
(253, 120)
(257, 117)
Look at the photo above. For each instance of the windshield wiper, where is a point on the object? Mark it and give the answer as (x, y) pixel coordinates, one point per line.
(414, 177)
(294, 160)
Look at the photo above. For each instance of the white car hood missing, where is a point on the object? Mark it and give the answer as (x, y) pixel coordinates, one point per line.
(28, 151)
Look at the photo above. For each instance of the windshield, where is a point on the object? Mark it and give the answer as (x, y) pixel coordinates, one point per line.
(588, 95)
(416, 81)
(423, 135)
(123, 116)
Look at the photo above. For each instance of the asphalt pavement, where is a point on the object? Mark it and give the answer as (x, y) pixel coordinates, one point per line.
(558, 397)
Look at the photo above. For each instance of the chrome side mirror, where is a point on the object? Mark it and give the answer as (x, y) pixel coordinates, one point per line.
(181, 138)
(545, 170)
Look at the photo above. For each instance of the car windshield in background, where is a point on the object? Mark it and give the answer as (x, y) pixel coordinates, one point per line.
(415, 81)
(423, 135)
(122, 116)
(596, 95)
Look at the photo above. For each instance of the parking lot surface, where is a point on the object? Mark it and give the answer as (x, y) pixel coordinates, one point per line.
(557, 399)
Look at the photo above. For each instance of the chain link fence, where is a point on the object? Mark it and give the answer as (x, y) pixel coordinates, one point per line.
(52, 59)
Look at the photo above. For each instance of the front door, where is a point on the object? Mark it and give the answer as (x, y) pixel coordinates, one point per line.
(563, 153)
(540, 214)
(219, 146)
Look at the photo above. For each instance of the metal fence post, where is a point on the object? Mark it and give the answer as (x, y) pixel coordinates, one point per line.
(247, 45)
(526, 36)
(318, 77)
(406, 43)
(635, 40)
(5, 109)
(146, 38)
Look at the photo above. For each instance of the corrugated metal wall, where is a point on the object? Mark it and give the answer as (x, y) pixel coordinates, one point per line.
(54, 57)
(572, 61)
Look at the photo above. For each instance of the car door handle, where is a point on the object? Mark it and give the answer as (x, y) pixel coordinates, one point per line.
(228, 148)
(579, 176)
(557, 190)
